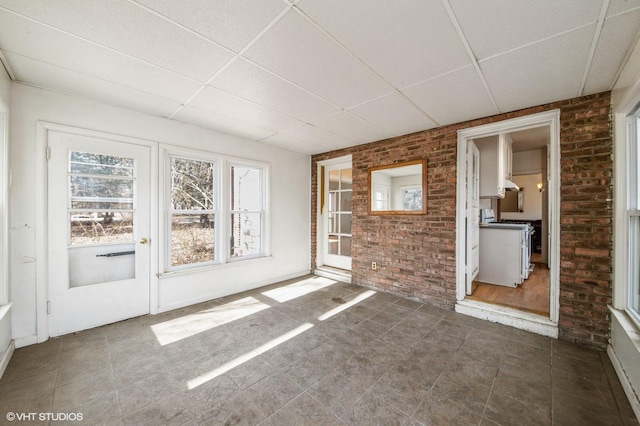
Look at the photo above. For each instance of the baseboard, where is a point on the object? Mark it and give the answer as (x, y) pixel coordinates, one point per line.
(208, 297)
(333, 274)
(4, 362)
(21, 342)
(633, 398)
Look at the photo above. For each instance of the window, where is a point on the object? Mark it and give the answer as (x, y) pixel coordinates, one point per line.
(411, 197)
(247, 211)
(192, 212)
(633, 214)
(212, 218)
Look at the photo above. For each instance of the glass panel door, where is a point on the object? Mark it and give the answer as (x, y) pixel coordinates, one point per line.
(337, 214)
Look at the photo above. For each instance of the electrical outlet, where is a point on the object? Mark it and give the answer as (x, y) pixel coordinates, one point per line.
(374, 265)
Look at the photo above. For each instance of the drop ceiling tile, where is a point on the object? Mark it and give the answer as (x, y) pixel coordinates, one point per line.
(616, 37)
(28, 38)
(296, 50)
(321, 138)
(541, 73)
(399, 40)
(502, 25)
(128, 28)
(219, 102)
(622, 6)
(250, 82)
(294, 144)
(230, 23)
(394, 113)
(452, 98)
(221, 123)
(71, 82)
(353, 128)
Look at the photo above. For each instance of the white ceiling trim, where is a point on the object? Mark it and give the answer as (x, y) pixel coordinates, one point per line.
(627, 55)
(594, 44)
(6, 66)
(467, 47)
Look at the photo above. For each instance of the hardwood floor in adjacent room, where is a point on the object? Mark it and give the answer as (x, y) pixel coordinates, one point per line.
(531, 296)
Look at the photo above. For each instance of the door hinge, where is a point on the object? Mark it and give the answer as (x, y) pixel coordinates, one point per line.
(47, 153)
(48, 307)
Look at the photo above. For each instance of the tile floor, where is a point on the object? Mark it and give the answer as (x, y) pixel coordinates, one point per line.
(312, 352)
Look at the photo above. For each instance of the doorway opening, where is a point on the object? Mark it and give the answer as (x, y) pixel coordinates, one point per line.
(513, 226)
(334, 219)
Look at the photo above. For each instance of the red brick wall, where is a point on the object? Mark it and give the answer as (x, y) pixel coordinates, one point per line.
(416, 254)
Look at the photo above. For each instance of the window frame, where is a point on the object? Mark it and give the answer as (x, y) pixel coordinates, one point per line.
(632, 214)
(262, 168)
(5, 297)
(222, 209)
(217, 185)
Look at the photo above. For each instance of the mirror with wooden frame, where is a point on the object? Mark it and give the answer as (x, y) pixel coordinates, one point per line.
(398, 188)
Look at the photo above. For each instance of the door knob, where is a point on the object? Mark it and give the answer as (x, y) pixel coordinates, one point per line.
(143, 241)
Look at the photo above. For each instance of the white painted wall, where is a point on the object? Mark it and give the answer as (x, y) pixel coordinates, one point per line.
(532, 199)
(5, 313)
(397, 183)
(526, 162)
(289, 189)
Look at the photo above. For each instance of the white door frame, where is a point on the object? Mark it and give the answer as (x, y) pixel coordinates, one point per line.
(41, 236)
(510, 316)
(320, 227)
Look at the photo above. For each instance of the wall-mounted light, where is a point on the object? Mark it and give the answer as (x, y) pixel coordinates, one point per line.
(540, 187)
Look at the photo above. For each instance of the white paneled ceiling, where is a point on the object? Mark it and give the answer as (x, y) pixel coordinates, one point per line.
(312, 76)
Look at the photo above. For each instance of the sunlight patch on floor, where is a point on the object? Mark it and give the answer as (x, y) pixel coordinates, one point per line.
(298, 289)
(347, 305)
(207, 319)
(204, 378)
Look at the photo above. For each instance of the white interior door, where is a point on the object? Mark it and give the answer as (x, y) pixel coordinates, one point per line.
(336, 215)
(473, 214)
(98, 219)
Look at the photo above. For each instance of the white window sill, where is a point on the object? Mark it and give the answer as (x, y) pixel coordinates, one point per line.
(4, 310)
(214, 267)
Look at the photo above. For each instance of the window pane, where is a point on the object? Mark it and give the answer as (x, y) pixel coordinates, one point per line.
(246, 191)
(333, 223)
(92, 227)
(345, 179)
(345, 201)
(334, 180)
(98, 164)
(345, 223)
(345, 246)
(192, 239)
(333, 201)
(99, 189)
(412, 199)
(333, 244)
(246, 234)
(634, 255)
(192, 184)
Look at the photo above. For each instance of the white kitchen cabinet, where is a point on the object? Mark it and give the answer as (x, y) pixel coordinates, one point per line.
(507, 143)
(492, 166)
(496, 160)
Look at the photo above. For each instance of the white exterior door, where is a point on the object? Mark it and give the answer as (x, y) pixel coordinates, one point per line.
(473, 213)
(336, 215)
(98, 220)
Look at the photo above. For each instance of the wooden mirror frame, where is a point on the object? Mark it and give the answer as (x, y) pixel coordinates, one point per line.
(423, 182)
